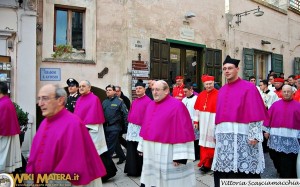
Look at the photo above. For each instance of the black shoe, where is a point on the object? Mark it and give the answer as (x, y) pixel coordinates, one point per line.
(120, 161)
(204, 169)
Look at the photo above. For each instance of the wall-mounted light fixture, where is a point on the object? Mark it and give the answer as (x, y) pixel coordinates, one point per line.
(257, 13)
(263, 42)
(188, 15)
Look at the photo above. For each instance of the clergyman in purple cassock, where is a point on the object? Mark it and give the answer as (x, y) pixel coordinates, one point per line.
(283, 133)
(10, 150)
(89, 109)
(134, 162)
(62, 145)
(167, 141)
(238, 133)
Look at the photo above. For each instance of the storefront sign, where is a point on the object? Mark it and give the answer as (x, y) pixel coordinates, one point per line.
(50, 74)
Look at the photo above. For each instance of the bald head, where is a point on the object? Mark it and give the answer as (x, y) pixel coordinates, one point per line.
(160, 90)
(287, 92)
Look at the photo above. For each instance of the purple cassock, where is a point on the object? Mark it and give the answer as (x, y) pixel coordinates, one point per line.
(63, 145)
(284, 114)
(167, 121)
(137, 110)
(243, 98)
(9, 124)
(89, 109)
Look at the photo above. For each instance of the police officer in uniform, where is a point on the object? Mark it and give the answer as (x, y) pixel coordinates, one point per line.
(73, 87)
(114, 111)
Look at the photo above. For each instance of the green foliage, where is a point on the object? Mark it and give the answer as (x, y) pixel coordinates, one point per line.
(22, 116)
(62, 51)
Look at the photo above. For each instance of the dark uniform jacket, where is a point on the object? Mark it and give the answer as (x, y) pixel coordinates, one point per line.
(115, 111)
(149, 93)
(71, 102)
(125, 100)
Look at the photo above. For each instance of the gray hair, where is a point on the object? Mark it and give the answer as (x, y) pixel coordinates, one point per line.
(60, 92)
(118, 87)
(88, 83)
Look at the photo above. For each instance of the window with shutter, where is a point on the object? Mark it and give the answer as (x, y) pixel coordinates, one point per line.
(159, 59)
(277, 63)
(297, 66)
(213, 64)
(248, 59)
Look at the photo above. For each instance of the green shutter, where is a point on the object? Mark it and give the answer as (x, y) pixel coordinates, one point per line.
(248, 58)
(277, 63)
(213, 63)
(297, 66)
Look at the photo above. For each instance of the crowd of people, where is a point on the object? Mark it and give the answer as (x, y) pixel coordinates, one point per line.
(228, 130)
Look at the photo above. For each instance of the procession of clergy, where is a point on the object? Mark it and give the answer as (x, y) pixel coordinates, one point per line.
(166, 132)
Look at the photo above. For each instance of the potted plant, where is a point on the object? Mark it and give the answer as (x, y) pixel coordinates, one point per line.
(62, 51)
(23, 121)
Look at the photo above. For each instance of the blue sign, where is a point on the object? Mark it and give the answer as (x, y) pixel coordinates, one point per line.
(50, 74)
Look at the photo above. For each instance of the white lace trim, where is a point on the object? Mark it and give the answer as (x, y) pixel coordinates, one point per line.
(234, 153)
(284, 140)
(253, 130)
(133, 132)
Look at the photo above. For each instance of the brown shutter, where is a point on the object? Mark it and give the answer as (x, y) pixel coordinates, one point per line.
(159, 59)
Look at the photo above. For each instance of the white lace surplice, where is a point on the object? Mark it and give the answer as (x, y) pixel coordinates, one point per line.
(284, 140)
(133, 132)
(234, 153)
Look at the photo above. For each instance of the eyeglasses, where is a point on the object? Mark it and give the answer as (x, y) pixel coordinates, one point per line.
(45, 99)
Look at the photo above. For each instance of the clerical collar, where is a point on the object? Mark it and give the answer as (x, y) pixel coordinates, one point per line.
(266, 92)
(191, 96)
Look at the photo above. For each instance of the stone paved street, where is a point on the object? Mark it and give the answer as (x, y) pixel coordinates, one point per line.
(203, 180)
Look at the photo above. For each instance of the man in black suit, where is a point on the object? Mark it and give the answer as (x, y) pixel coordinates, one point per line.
(73, 87)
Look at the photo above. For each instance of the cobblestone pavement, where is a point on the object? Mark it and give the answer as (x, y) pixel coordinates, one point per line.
(203, 180)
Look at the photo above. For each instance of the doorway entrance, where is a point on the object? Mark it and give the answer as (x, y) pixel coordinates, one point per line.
(184, 61)
(173, 57)
(262, 64)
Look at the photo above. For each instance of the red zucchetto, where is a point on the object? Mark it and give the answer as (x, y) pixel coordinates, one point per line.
(205, 78)
(279, 80)
(179, 77)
